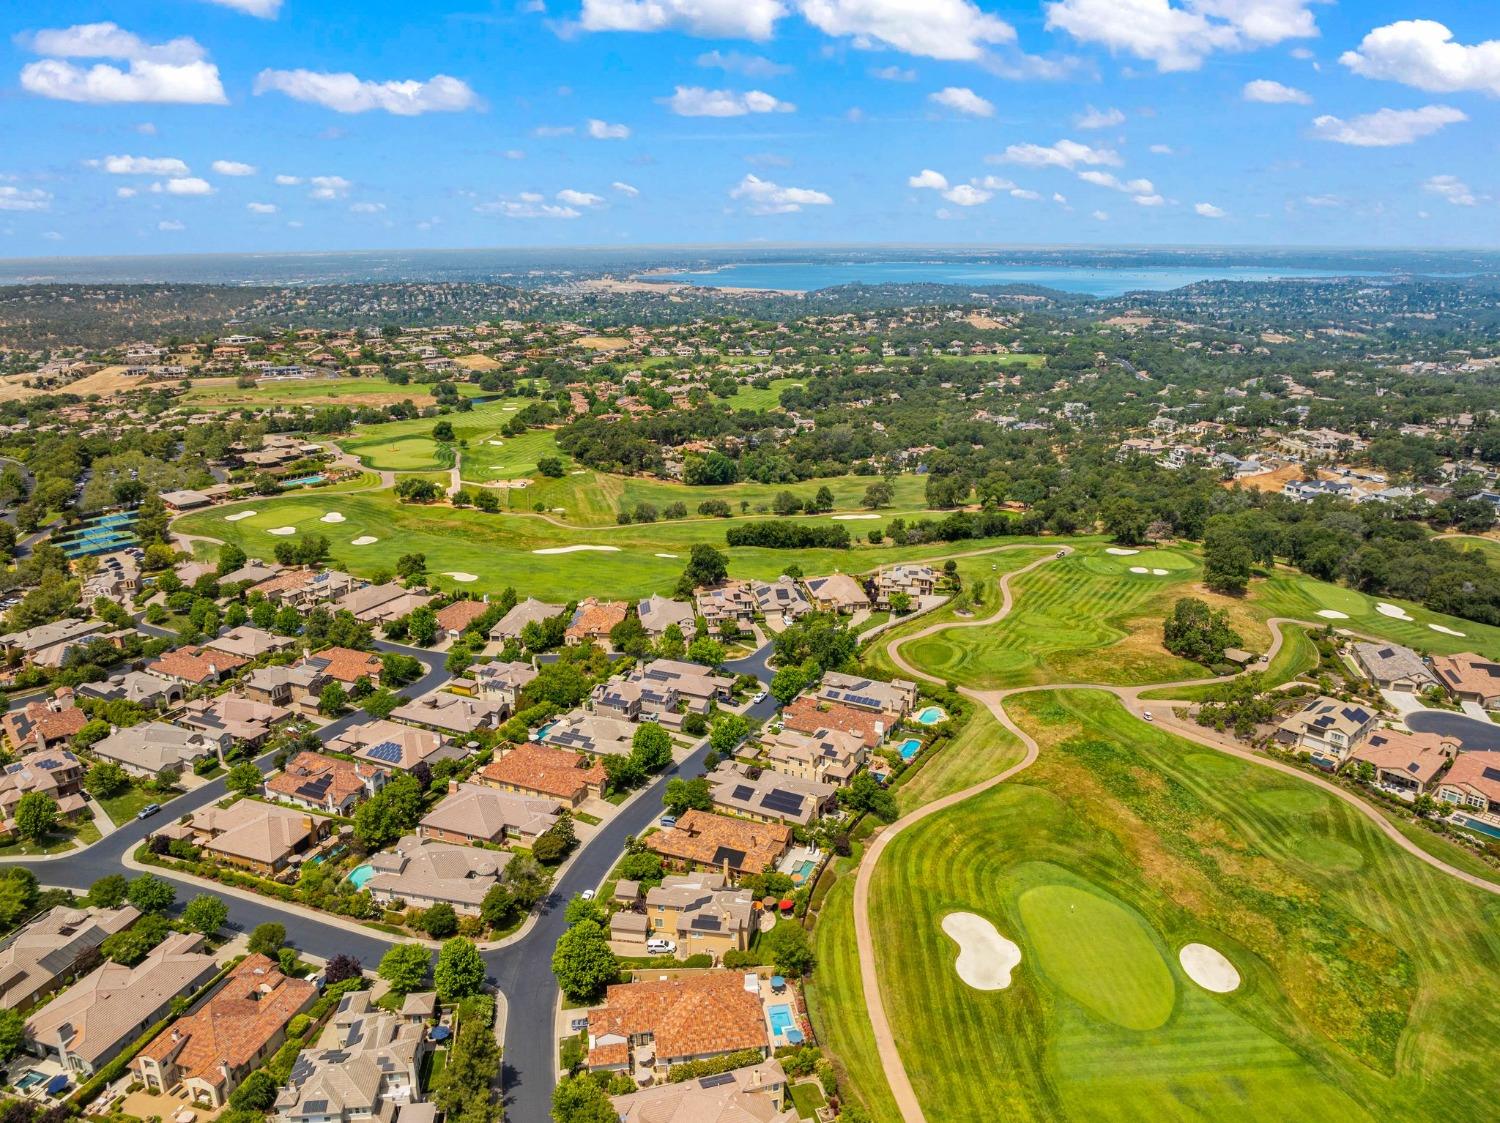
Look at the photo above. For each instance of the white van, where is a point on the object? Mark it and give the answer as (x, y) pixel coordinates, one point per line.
(660, 947)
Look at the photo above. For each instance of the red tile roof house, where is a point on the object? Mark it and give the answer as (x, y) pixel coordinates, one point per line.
(326, 783)
(196, 666)
(44, 723)
(457, 616)
(1473, 785)
(540, 770)
(208, 1053)
(808, 715)
(644, 1028)
(593, 621)
(345, 665)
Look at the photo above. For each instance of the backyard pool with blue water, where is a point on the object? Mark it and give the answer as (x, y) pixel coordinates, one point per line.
(932, 715)
(361, 874)
(910, 748)
(781, 1019)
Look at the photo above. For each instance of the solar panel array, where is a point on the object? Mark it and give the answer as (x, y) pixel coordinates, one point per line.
(387, 751)
(717, 1081)
(782, 802)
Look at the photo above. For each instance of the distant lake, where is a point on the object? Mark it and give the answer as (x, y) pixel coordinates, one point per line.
(809, 276)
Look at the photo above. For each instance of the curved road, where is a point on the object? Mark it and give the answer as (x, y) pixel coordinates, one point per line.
(994, 700)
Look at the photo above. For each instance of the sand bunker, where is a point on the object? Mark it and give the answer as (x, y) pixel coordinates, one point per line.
(1159, 572)
(364, 540)
(1445, 630)
(237, 516)
(1395, 612)
(985, 958)
(673, 556)
(852, 518)
(282, 531)
(578, 550)
(1209, 968)
(497, 444)
(1139, 569)
(1332, 614)
(460, 575)
(332, 517)
(1120, 552)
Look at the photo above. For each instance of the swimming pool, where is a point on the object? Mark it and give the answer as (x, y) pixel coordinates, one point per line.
(803, 870)
(1478, 826)
(781, 1019)
(910, 748)
(361, 874)
(300, 480)
(30, 1080)
(932, 715)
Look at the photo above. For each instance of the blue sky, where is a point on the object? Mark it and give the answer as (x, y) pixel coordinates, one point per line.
(165, 126)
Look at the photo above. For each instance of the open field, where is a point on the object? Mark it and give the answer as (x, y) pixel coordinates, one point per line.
(499, 548)
(493, 456)
(110, 380)
(758, 398)
(222, 393)
(1121, 845)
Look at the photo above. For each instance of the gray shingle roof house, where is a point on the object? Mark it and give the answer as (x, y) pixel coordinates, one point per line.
(1393, 667)
(44, 953)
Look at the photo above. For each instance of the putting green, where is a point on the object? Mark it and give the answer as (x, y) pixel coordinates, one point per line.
(1216, 766)
(1302, 800)
(1100, 953)
(1328, 854)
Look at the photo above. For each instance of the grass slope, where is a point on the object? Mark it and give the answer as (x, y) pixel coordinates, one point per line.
(1360, 966)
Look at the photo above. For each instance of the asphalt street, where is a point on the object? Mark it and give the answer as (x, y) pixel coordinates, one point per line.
(522, 970)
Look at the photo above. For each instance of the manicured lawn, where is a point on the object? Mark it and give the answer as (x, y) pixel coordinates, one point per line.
(82, 834)
(494, 456)
(123, 807)
(222, 393)
(1084, 618)
(807, 1098)
(407, 446)
(980, 750)
(1119, 846)
(499, 548)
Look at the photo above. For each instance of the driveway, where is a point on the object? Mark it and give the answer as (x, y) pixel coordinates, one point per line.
(1472, 734)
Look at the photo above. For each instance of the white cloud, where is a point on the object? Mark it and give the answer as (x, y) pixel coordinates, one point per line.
(52, 235)
(528, 205)
(174, 72)
(571, 198)
(23, 198)
(233, 168)
(1100, 216)
(995, 183)
(1161, 149)
(1328, 201)
(894, 74)
(261, 9)
(710, 19)
(1208, 210)
(626, 189)
(183, 185)
(553, 130)
(366, 208)
(346, 93)
(1451, 188)
(961, 99)
(1023, 193)
(329, 187)
(751, 66)
(288, 180)
(695, 101)
(763, 197)
(125, 192)
(1178, 38)
(141, 165)
(1092, 118)
(966, 195)
(170, 224)
(261, 208)
(1147, 200)
(941, 29)
(935, 181)
(515, 154)
(1274, 93)
(603, 130)
(1422, 53)
(1114, 183)
(1386, 128)
(1063, 154)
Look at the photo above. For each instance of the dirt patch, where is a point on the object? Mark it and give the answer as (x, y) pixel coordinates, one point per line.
(106, 382)
(476, 362)
(604, 343)
(1269, 481)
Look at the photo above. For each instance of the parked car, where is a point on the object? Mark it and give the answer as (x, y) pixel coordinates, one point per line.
(587, 894)
(660, 947)
(668, 821)
(149, 810)
(760, 697)
(1147, 715)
